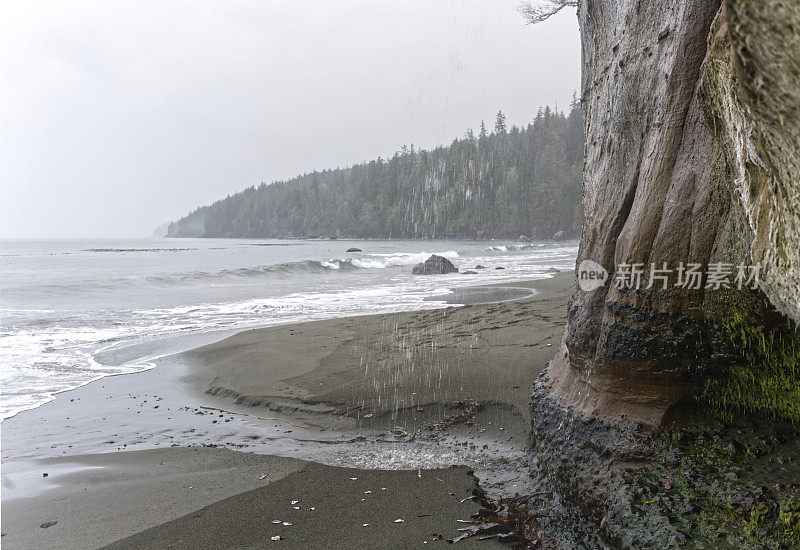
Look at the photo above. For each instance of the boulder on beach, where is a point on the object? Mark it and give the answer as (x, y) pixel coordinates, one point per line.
(435, 265)
(479, 266)
(353, 250)
(553, 270)
(559, 235)
(468, 272)
(524, 239)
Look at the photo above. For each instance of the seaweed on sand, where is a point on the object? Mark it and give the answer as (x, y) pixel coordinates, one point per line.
(509, 520)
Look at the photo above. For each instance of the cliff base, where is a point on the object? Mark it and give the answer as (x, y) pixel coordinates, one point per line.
(720, 485)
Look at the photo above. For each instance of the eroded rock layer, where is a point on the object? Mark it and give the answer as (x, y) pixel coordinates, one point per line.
(692, 127)
(692, 119)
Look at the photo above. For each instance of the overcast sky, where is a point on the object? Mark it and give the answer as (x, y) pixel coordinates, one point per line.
(117, 116)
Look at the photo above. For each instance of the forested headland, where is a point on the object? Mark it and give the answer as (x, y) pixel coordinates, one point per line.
(499, 184)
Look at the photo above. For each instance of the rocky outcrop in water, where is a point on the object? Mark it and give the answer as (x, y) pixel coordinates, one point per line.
(435, 265)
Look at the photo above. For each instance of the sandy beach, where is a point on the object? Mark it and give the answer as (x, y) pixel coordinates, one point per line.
(233, 432)
(394, 367)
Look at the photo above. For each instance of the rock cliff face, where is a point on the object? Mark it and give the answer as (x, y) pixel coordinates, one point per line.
(691, 113)
(751, 93)
(692, 156)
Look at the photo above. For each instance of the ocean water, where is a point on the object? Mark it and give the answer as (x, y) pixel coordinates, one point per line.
(73, 311)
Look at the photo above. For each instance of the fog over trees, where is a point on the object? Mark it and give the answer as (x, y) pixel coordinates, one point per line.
(500, 183)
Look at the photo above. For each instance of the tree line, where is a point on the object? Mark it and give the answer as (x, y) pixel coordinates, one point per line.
(499, 184)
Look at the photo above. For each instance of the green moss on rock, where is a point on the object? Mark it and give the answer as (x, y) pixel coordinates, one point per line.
(764, 377)
(712, 486)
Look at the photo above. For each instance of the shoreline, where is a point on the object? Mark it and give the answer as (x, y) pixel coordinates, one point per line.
(153, 350)
(404, 352)
(162, 409)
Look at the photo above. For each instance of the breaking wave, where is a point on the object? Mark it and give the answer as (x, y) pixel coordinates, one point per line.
(369, 261)
(510, 247)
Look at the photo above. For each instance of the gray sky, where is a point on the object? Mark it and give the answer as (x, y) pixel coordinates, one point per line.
(117, 116)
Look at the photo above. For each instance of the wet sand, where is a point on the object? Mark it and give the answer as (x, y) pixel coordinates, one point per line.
(325, 391)
(324, 507)
(387, 365)
(101, 498)
(215, 498)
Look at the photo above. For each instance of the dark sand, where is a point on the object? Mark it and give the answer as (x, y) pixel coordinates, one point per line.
(348, 513)
(389, 364)
(105, 497)
(404, 368)
(215, 498)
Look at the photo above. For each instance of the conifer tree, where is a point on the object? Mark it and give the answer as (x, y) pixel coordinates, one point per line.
(500, 123)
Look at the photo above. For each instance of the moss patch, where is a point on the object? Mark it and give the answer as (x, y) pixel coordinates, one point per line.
(764, 376)
(725, 487)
